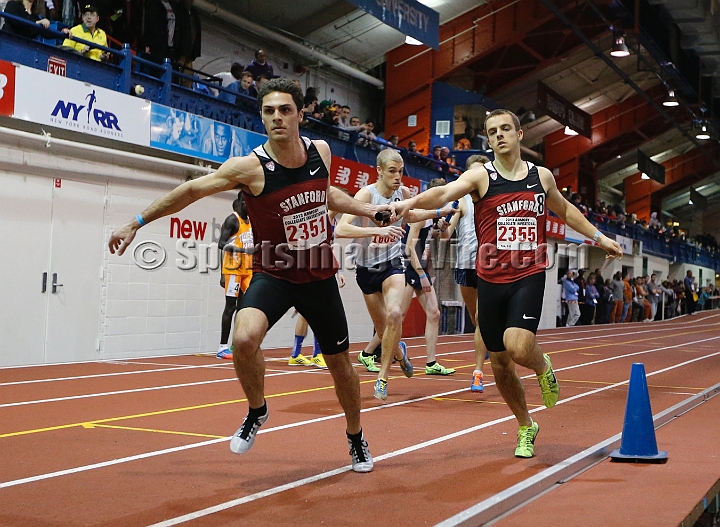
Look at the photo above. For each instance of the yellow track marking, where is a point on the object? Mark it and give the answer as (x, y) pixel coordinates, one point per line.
(88, 424)
(157, 431)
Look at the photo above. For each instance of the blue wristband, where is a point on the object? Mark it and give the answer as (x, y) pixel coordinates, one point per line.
(437, 211)
(140, 220)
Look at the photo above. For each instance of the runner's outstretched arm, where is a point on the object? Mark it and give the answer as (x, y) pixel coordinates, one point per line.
(572, 215)
(234, 172)
(439, 196)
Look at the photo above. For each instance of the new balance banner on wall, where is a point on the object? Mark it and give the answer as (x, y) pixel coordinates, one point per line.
(353, 176)
(75, 105)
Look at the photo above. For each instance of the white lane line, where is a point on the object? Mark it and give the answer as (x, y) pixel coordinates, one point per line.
(548, 331)
(148, 389)
(445, 340)
(199, 383)
(324, 475)
(337, 416)
(97, 375)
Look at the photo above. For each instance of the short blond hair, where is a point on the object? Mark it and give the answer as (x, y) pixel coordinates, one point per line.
(477, 158)
(388, 155)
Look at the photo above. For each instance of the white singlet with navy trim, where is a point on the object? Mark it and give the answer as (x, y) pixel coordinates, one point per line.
(467, 244)
(374, 250)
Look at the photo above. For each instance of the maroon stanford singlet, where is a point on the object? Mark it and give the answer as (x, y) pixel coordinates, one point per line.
(291, 228)
(510, 226)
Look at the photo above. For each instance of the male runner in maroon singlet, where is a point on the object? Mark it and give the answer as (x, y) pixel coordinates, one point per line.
(510, 199)
(287, 192)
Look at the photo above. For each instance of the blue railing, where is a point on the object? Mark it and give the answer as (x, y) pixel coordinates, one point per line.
(657, 244)
(161, 84)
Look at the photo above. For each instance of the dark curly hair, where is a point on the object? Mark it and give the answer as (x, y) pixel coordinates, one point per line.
(282, 85)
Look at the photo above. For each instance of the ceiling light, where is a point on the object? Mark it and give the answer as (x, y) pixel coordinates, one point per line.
(570, 131)
(703, 133)
(412, 41)
(619, 48)
(644, 176)
(671, 100)
(618, 156)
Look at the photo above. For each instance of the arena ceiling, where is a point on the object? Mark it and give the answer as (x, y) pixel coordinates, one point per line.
(337, 27)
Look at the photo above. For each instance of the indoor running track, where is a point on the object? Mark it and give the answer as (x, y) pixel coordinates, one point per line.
(145, 442)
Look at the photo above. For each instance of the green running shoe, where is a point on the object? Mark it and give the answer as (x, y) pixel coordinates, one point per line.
(405, 364)
(526, 440)
(381, 389)
(548, 385)
(368, 362)
(437, 369)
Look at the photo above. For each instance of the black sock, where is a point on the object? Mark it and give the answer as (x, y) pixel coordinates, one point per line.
(366, 354)
(257, 412)
(355, 438)
(431, 364)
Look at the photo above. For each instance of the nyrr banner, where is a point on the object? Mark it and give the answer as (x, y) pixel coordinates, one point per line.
(191, 134)
(407, 16)
(44, 98)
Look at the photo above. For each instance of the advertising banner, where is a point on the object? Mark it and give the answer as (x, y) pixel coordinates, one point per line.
(555, 228)
(41, 97)
(7, 88)
(563, 111)
(353, 176)
(625, 243)
(407, 16)
(191, 134)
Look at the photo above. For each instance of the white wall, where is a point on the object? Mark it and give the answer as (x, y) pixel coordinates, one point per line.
(168, 310)
(679, 271)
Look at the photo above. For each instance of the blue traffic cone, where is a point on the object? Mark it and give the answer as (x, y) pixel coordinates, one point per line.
(638, 442)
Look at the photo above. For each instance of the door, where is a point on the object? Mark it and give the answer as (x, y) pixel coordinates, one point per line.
(76, 260)
(25, 218)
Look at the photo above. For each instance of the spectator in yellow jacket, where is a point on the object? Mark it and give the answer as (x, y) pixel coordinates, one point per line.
(89, 31)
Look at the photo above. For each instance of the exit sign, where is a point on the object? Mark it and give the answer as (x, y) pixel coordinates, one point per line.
(57, 66)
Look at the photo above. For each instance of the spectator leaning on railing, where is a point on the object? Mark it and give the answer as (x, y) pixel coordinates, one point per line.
(24, 9)
(89, 31)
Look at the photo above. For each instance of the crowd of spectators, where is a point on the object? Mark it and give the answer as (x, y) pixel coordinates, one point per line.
(156, 29)
(593, 299)
(615, 214)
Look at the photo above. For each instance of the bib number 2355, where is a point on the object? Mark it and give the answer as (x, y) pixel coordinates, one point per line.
(516, 234)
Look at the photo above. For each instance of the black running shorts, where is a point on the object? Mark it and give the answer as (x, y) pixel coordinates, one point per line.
(318, 302)
(412, 278)
(370, 279)
(466, 277)
(514, 305)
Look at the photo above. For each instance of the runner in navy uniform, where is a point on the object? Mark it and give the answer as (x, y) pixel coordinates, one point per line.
(510, 198)
(287, 193)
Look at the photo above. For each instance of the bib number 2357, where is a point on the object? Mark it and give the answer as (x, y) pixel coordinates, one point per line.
(306, 229)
